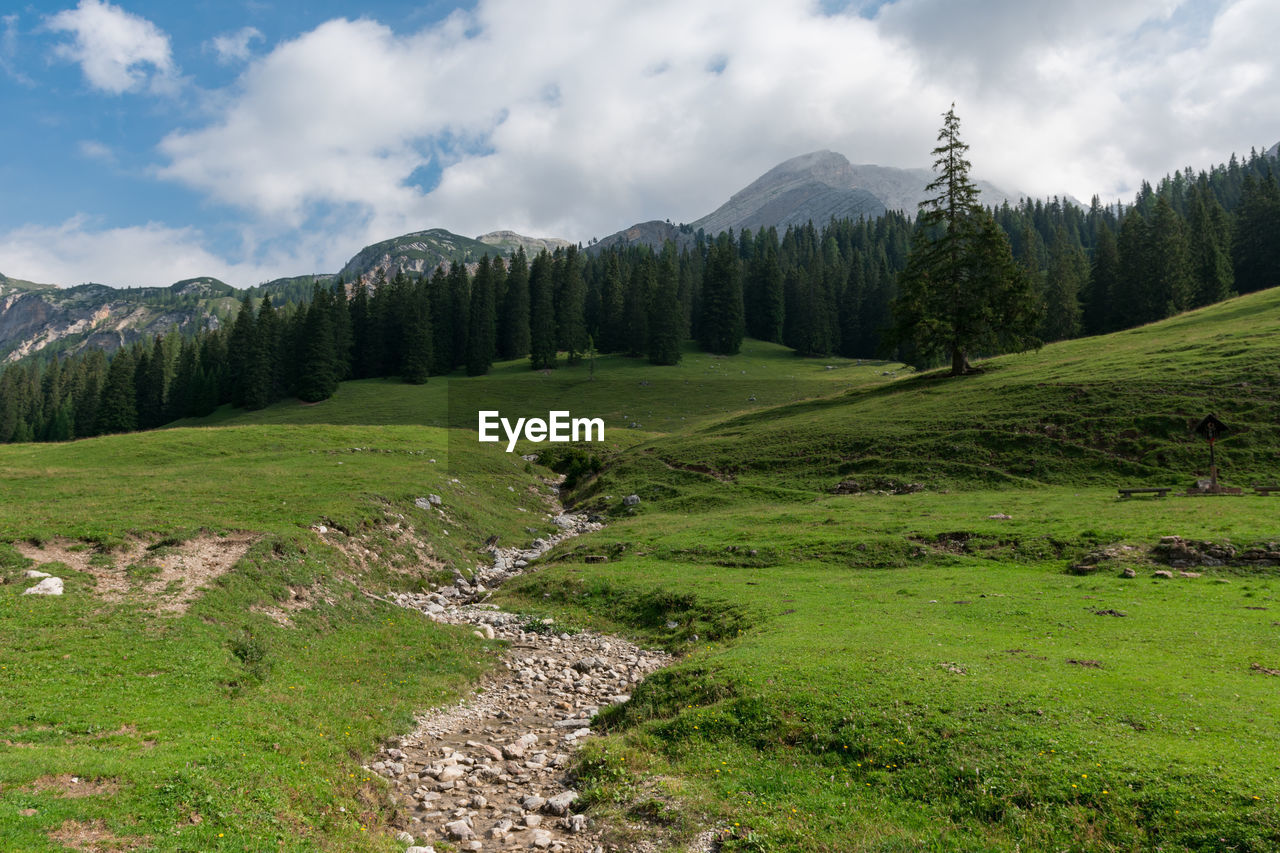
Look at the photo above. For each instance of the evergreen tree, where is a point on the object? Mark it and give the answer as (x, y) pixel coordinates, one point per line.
(762, 289)
(482, 339)
(721, 325)
(318, 364)
(1169, 254)
(571, 321)
(1256, 247)
(1065, 278)
(260, 370)
(612, 307)
(240, 353)
(961, 291)
(118, 406)
(513, 330)
(440, 299)
(666, 322)
(460, 305)
(1102, 285)
(343, 333)
(419, 350)
(542, 316)
(1209, 234)
(635, 306)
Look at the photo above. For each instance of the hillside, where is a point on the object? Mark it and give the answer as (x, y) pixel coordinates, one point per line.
(846, 659)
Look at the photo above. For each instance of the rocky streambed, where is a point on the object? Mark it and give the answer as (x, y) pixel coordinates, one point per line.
(489, 772)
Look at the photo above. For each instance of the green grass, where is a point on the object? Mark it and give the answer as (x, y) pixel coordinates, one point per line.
(828, 687)
(220, 729)
(861, 672)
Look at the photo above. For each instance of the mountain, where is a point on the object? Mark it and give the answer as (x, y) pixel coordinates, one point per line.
(1274, 150)
(812, 187)
(818, 187)
(507, 242)
(42, 318)
(423, 251)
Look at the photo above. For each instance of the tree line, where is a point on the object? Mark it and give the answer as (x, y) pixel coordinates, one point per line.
(1191, 240)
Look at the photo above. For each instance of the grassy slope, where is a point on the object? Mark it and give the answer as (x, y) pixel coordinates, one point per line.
(894, 673)
(206, 748)
(814, 712)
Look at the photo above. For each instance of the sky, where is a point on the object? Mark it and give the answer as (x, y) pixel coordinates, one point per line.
(144, 142)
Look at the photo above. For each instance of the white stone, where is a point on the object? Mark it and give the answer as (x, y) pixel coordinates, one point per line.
(48, 586)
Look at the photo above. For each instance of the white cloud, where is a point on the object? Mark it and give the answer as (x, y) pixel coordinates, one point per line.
(117, 51)
(232, 48)
(149, 255)
(578, 117)
(91, 149)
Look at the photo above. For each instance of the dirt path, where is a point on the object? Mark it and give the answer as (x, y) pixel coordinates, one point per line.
(488, 773)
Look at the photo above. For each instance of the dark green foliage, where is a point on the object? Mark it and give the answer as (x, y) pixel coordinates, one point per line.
(961, 292)
(118, 410)
(635, 307)
(1065, 278)
(721, 323)
(317, 361)
(542, 315)
(513, 327)
(481, 342)
(666, 324)
(1256, 249)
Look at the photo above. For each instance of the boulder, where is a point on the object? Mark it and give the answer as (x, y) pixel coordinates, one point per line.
(48, 586)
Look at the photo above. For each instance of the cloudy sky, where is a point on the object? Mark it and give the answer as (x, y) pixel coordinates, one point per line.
(146, 141)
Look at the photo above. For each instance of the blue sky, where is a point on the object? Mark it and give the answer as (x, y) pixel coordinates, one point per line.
(146, 142)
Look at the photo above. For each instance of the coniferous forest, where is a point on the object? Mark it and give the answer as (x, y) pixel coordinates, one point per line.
(1194, 239)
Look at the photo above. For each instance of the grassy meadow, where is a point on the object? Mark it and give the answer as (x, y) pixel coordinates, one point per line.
(861, 671)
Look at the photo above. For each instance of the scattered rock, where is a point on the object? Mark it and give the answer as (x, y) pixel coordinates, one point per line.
(48, 586)
(1129, 572)
(631, 500)
(1109, 613)
(1256, 667)
(1163, 573)
(491, 766)
(1000, 516)
(36, 574)
(876, 486)
(1092, 664)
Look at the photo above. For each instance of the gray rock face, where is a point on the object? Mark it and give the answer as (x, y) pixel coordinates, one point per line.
(631, 500)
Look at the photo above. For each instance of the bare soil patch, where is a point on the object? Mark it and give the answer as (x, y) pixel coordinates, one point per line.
(66, 785)
(89, 836)
(172, 576)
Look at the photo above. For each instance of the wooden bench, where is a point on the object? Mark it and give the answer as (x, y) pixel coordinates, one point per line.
(1158, 491)
(1265, 491)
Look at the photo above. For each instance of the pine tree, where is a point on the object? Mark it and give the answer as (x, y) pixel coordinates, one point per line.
(542, 315)
(343, 334)
(961, 291)
(635, 306)
(721, 326)
(1102, 285)
(482, 339)
(240, 352)
(460, 322)
(1255, 251)
(260, 369)
(571, 321)
(513, 330)
(118, 406)
(1210, 239)
(1170, 258)
(612, 299)
(1064, 279)
(318, 364)
(419, 350)
(666, 323)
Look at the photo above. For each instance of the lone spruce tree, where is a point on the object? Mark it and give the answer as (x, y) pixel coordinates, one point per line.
(961, 291)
